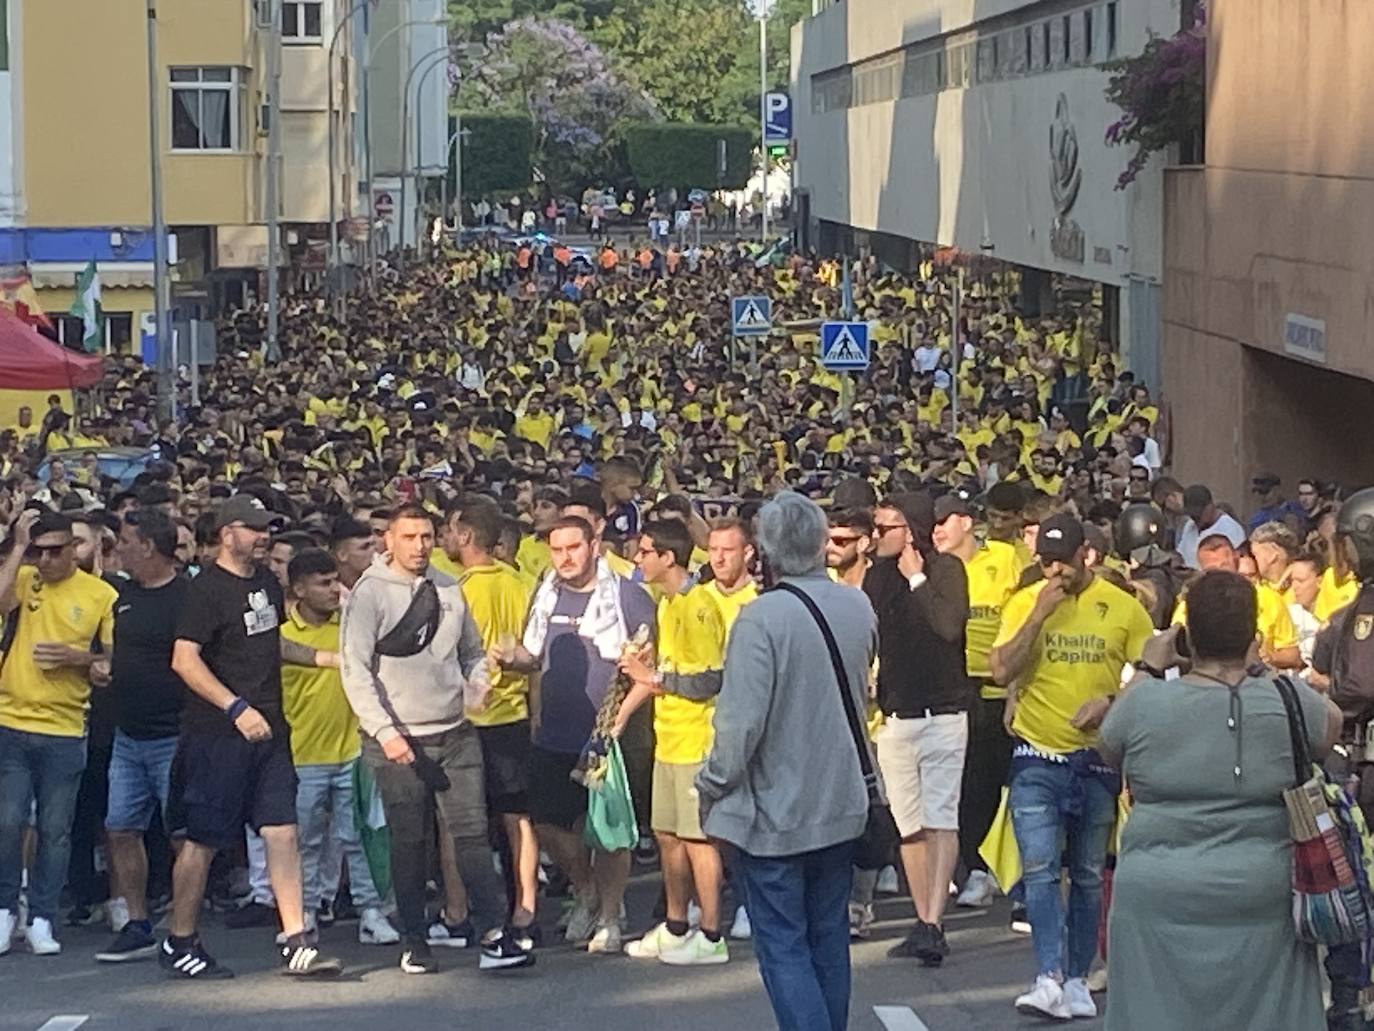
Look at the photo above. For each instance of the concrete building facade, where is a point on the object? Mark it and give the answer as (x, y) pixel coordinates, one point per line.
(979, 124)
(1268, 350)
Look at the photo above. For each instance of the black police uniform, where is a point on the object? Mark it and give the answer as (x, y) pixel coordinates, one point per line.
(1344, 651)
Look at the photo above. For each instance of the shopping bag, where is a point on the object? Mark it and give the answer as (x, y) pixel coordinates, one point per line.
(611, 824)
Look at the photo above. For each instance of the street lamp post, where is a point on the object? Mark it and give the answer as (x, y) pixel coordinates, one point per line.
(457, 177)
(333, 160)
(420, 138)
(372, 51)
(273, 160)
(162, 329)
(405, 140)
(763, 114)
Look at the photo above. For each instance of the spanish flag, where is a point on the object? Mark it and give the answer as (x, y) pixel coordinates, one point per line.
(18, 295)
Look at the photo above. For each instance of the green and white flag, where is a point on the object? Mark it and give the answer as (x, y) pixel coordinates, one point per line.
(86, 307)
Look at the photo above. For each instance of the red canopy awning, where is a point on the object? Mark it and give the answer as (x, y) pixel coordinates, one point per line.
(31, 361)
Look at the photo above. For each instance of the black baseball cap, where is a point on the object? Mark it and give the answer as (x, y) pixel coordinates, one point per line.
(245, 509)
(951, 504)
(1059, 539)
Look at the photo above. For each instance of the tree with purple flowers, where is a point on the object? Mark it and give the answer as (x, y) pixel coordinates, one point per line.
(1162, 94)
(547, 69)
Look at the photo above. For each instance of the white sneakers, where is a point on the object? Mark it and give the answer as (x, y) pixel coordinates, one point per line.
(1080, 998)
(1047, 998)
(741, 930)
(40, 939)
(375, 929)
(118, 912)
(8, 922)
(651, 946)
(607, 940)
(979, 891)
(693, 949)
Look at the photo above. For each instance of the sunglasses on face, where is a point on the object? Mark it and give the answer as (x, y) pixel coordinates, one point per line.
(38, 552)
(882, 530)
(845, 540)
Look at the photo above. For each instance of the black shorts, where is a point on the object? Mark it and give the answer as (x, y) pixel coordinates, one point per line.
(222, 781)
(506, 760)
(555, 798)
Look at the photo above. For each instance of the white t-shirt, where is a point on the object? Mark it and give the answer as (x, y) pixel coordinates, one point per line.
(1190, 536)
(927, 357)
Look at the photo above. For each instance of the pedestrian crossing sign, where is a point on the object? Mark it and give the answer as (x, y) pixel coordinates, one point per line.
(751, 316)
(844, 345)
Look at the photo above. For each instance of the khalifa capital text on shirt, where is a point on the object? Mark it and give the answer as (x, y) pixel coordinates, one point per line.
(1075, 648)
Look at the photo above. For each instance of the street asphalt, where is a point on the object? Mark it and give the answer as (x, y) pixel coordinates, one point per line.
(565, 989)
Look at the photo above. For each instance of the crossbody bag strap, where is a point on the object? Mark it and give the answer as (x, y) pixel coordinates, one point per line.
(1297, 730)
(856, 726)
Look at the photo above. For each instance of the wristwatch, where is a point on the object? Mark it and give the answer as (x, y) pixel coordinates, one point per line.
(1142, 666)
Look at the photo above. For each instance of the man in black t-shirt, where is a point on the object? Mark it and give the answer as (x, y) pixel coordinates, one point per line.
(234, 764)
(146, 697)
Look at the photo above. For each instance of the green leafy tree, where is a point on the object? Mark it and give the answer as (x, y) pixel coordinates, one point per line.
(496, 153)
(686, 156)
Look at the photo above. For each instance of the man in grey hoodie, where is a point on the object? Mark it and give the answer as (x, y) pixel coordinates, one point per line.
(412, 663)
(783, 782)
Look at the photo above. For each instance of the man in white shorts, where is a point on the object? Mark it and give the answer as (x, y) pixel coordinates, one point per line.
(921, 598)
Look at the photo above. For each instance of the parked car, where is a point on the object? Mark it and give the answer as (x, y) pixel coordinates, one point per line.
(120, 464)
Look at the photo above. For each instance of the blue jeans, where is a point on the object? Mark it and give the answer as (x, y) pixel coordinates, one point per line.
(798, 906)
(140, 781)
(324, 811)
(46, 769)
(1043, 829)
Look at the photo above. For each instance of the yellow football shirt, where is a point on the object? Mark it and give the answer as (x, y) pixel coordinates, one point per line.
(324, 730)
(77, 611)
(730, 605)
(533, 556)
(1273, 621)
(691, 641)
(1082, 649)
(993, 574)
(1333, 596)
(499, 601)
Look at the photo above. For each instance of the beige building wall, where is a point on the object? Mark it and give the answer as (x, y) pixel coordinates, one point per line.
(1274, 233)
(86, 129)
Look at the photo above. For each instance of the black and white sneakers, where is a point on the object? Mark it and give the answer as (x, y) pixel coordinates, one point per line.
(503, 951)
(191, 962)
(416, 958)
(300, 958)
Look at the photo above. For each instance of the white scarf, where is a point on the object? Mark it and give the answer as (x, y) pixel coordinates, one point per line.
(603, 623)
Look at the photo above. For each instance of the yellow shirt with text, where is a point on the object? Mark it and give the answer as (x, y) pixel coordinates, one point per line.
(1081, 651)
(993, 574)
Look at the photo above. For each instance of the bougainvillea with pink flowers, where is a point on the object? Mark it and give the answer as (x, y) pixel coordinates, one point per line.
(1162, 94)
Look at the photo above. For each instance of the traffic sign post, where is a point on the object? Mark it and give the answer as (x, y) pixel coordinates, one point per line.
(844, 346)
(750, 317)
(777, 125)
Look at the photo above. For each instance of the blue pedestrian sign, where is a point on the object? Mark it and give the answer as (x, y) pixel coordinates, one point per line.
(777, 123)
(844, 345)
(751, 316)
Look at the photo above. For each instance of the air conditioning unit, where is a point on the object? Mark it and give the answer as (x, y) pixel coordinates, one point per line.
(262, 13)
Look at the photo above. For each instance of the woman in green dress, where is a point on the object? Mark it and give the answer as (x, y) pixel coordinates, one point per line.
(1200, 933)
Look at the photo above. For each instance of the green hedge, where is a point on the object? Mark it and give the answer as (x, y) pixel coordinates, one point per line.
(496, 153)
(664, 154)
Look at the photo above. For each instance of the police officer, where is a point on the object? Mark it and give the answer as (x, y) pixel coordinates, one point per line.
(1344, 652)
(1140, 535)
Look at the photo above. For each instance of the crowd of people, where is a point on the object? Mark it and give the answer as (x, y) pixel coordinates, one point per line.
(352, 632)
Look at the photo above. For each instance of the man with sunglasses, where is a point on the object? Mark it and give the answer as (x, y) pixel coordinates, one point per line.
(58, 611)
(234, 763)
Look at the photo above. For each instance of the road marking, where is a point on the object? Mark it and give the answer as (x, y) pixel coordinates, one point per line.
(66, 1022)
(895, 1018)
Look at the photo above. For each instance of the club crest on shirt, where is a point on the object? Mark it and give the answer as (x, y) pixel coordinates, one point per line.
(1363, 626)
(258, 600)
(1101, 610)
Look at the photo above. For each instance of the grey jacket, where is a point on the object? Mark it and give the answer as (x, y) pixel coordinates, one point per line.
(419, 694)
(783, 775)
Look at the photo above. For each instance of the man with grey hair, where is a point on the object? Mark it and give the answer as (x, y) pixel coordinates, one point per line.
(783, 782)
